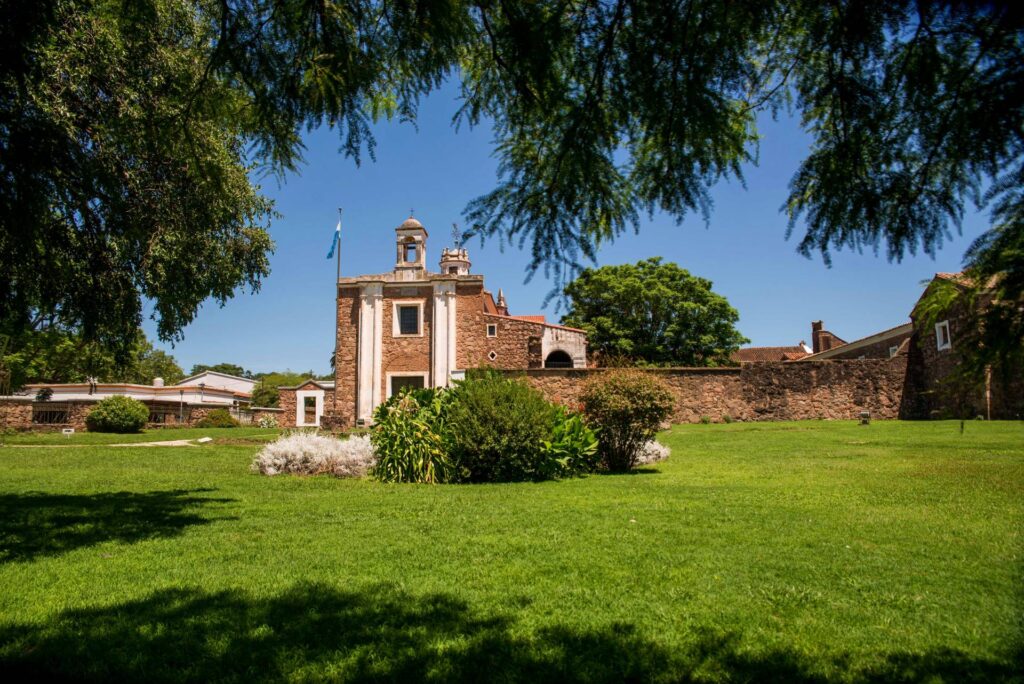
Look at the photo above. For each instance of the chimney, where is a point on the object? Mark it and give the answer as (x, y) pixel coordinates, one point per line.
(816, 336)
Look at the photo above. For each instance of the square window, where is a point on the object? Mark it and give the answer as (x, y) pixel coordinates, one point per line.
(408, 319)
(401, 382)
(943, 340)
(492, 329)
(893, 350)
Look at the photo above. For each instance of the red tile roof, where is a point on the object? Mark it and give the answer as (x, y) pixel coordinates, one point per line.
(764, 354)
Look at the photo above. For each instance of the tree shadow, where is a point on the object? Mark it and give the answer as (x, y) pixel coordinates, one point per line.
(382, 633)
(37, 524)
(639, 470)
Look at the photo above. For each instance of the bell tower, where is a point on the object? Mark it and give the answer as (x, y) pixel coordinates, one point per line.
(411, 242)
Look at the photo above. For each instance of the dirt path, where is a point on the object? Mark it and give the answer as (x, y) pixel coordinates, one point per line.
(168, 443)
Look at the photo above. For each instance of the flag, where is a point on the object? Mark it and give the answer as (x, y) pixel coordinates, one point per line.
(336, 239)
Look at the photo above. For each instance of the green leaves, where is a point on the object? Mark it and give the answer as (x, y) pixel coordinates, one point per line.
(407, 441)
(652, 312)
(128, 130)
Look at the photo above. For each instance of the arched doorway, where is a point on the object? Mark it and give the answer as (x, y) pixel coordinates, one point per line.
(558, 359)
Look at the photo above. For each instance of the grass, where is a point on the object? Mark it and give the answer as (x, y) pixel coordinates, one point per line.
(798, 552)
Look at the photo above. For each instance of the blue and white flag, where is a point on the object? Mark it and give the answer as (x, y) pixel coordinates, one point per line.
(336, 239)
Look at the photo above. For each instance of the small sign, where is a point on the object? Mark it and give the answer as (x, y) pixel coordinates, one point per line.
(68, 431)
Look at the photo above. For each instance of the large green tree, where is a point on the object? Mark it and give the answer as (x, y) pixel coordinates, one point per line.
(652, 312)
(57, 355)
(227, 368)
(127, 126)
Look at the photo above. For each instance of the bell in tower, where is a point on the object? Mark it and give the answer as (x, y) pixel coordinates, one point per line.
(411, 239)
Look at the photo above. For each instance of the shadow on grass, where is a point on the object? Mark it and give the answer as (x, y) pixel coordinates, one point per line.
(639, 470)
(316, 632)
(37, 524)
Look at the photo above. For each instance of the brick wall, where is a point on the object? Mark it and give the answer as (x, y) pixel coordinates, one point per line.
(346, 350)
(763, 391)
(517, 344)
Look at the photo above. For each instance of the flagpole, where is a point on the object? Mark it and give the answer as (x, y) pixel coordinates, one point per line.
(337, 311)
(338, 246)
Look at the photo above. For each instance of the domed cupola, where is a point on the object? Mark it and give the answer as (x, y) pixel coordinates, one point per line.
(411, 240)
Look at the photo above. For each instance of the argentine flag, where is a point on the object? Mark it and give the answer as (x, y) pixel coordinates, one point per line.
(335, 240)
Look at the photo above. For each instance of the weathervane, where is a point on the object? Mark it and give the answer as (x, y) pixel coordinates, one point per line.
(456, 236)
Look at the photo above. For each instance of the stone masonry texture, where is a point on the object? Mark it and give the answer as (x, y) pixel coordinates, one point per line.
(832, 390)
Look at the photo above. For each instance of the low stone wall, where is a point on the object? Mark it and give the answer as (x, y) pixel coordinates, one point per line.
(15, 414)
(833, 390)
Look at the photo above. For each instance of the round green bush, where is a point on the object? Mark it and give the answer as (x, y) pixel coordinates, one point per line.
(117, 414)
(217, 418)
(496, 429)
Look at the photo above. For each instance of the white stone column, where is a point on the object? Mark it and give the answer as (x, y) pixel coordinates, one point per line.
(452, 333)
(440, 332)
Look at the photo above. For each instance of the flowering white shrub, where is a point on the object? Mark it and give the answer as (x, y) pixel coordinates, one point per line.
(652, 452)
(268, 422)
(307, 453)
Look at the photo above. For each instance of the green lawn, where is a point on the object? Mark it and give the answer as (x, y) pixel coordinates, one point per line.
(789, 552)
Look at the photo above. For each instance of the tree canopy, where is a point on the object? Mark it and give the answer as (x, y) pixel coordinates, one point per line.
(128, 129)
(57, 355)
(652, 312)
(226, 368)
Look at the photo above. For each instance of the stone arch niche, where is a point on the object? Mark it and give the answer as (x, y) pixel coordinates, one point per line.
(558, 359)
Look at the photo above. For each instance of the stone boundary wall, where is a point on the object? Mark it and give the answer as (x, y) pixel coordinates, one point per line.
(833, 390)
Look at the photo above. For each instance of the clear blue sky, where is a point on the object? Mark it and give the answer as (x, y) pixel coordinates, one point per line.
(429, 167)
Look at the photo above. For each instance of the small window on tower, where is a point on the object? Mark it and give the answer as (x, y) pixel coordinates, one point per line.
(453, 270)
(409, 320)
(410, 252)
(492, 329)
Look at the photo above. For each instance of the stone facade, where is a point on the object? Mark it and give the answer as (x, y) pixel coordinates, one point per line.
(932, 389)
(458, 326)
(833, 390)
(15, 414)
(321, 395)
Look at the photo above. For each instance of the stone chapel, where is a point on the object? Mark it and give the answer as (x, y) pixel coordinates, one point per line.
(411, 327)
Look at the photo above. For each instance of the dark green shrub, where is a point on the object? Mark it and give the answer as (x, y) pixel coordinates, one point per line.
(217, 418)
(117, 414)
(496, 429)
(407, 441)
(627, 407)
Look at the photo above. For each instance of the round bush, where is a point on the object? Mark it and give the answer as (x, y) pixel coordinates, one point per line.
(627, 407)
(117, 414)
(496, 430)
(217, 418)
